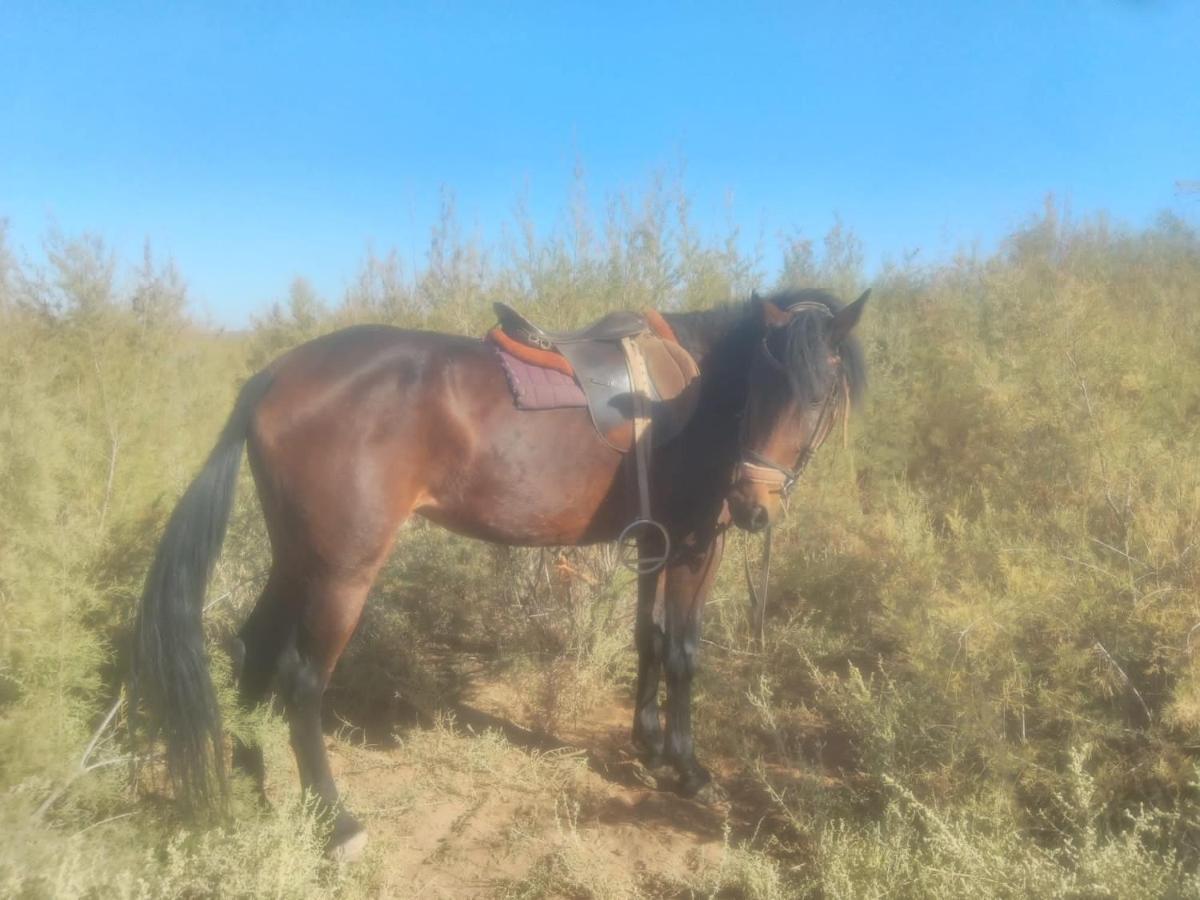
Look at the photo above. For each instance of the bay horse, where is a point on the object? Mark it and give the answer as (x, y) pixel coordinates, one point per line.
(350, 434)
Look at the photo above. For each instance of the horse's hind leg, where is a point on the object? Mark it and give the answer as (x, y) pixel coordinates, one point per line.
(332, 605)
(258, 650)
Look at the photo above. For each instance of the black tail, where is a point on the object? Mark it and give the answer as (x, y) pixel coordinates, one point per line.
(170, 666)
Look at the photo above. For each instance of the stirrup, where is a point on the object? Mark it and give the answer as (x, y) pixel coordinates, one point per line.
(628, 552)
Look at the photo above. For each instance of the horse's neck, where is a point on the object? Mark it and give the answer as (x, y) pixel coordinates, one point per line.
(721, 342)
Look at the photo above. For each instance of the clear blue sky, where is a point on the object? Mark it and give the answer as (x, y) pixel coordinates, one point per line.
(253, 145)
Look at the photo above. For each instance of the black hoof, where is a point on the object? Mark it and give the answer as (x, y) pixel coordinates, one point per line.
(692, 782)
(347, 840)
(649, 755)
(652, 760)
(711, 794)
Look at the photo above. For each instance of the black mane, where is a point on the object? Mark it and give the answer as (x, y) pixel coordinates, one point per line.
(734, 329)
(803, 347)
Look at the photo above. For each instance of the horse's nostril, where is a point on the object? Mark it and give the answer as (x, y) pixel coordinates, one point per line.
(759, 518)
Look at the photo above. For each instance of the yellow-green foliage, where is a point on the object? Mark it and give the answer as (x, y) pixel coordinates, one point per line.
(980, 672)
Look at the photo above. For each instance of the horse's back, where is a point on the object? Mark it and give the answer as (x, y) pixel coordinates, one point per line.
(356, 365)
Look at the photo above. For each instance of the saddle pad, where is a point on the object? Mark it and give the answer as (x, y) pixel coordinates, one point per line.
(537, 387)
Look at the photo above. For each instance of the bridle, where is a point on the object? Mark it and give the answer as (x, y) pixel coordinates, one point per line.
(754, 466)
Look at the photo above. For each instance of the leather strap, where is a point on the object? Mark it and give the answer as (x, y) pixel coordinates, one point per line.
(639, 379)
(639, 529)
(758, 594)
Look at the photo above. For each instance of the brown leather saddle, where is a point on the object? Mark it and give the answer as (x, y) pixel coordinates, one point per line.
(602, 355)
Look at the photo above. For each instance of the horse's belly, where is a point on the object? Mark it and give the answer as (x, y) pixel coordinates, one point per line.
(537, 479)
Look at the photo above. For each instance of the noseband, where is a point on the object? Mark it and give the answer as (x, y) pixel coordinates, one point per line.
(754, 467)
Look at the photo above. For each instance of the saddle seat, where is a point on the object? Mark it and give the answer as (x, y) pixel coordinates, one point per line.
(612, 327)
(601, 356)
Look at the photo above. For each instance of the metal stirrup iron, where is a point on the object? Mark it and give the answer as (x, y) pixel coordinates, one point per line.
(629, 551)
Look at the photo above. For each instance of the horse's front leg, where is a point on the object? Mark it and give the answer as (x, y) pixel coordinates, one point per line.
(686, 582)
(649, 637)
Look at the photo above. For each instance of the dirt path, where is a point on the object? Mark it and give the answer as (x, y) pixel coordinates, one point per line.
(479, 805)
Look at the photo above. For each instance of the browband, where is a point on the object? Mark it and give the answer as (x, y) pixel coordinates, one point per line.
(807, 305)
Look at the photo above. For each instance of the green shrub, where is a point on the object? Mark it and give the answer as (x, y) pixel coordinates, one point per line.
(1000, 566)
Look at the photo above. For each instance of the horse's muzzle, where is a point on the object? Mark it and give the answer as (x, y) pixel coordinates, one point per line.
(759, 519)
(749, 515)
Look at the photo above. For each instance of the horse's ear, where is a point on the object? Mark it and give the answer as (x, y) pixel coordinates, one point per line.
(843, 323)
(772, 316)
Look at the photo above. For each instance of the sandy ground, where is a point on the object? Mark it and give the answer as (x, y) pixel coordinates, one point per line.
(480, 805)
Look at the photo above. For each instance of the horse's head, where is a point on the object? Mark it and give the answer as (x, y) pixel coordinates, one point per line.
(803, 376)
